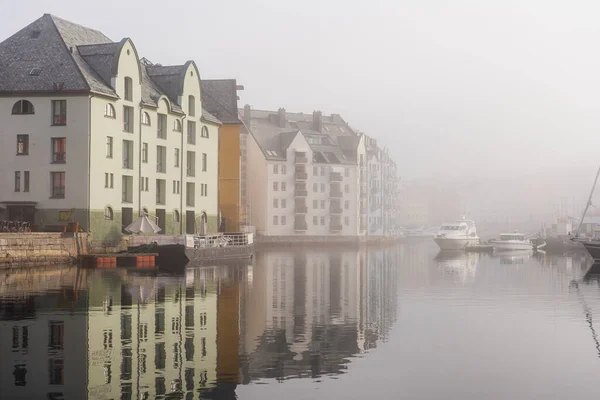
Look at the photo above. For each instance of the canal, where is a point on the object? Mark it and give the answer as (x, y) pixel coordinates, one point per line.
(400, 322)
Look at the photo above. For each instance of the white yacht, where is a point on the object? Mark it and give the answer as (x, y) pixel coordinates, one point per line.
(511, 242)
(457, 235)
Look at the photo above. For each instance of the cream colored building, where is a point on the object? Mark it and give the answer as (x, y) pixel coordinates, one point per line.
(95, 134)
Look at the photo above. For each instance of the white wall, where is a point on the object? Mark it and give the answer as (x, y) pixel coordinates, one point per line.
(257, 185)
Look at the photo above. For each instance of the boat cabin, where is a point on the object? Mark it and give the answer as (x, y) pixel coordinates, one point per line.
(512, 236)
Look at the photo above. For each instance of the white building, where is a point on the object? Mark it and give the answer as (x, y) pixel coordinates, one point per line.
(97, 135)
(303, 174)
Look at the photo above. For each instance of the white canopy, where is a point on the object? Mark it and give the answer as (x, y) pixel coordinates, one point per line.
(143, 225)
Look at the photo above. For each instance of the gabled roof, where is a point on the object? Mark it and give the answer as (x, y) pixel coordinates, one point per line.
(219, 97)
(169, 78)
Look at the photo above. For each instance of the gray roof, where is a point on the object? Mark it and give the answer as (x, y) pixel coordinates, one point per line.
(208, 117)
(270, 136)
(219, 97)
(169, 78)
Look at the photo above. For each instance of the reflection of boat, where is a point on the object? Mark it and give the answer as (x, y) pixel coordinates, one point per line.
(511, 242)
(462, 264)
(457, 235)
(515, 257)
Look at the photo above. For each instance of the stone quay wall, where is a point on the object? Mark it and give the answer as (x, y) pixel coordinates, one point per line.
(18, 250)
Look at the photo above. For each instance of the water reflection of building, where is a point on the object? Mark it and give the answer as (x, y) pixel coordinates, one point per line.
(461, 265)
(129, 337)
(307, 313)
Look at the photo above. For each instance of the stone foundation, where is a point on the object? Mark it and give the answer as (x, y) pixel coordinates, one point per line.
(37, 249)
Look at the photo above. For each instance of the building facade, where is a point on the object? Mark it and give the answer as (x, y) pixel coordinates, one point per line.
(100, 136)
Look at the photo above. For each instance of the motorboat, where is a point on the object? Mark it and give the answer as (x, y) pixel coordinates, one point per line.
(512, 242)
(457, 235)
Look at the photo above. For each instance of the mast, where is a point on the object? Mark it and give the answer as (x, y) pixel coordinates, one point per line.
(589, 202)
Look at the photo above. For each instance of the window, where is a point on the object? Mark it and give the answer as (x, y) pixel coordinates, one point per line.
(177, 125)
(128, 91)
(283, 170)
(283, 186)
(109, 180)
(190, 194)
(275, 202)
(346, 220)
(347, 205)
(347, 188)
(128, 154)
(109, 147)
(108, 213)
(322, 204)
(58, 185)
(109, 111)
(315, 187)
(56, 371)
(128, 119)
(204, 132)
(17, 181)
(144, 152)
(315, 171)
(191, 164)
(26, 181)
(146, 184)
(176, 187)
(161, 126)
(145, 118)
(322, 220)
(204, 162)
(283, 203)
(161, 191)
(57, 335)
(176, 216)
(275, 169)
(203, 189)
(142, 181)
(176, 156)
(322, 188)
(322, 171)
(23, 107)
(315, 221)
(315, 204)
(191, 132)
(59, 150)
(59, 112)
(283, 220)
(347, 172)
(191, 106)
(127, 189)
(161, 159)
(275, 220)
(275, 186)
(22, 145)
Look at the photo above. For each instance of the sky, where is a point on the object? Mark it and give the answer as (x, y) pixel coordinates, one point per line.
(466, 88)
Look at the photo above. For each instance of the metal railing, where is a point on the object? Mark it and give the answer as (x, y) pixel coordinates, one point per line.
(222, 240)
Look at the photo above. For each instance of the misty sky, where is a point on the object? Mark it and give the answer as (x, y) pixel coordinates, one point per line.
(460, 88)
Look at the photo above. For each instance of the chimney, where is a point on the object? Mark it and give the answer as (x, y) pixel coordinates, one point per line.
(281, 117)
(317, 121)
(247, 114)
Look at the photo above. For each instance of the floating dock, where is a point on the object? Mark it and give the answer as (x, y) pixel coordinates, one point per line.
(126, 260)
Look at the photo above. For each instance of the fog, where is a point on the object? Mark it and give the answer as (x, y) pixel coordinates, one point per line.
(497, 92)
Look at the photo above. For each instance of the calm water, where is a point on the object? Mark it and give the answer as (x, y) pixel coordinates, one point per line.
(404, 322)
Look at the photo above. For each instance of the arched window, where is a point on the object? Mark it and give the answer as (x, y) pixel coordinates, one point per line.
(23, 107)
(191, 106)
(128, 89)
(108, 213)
(144, 211)
(204, 133)
(175, 216)
(146, 118)
(109, 110)
(177, 126)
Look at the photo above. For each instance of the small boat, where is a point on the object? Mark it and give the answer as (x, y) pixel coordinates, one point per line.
(512, 241)
(457, 235)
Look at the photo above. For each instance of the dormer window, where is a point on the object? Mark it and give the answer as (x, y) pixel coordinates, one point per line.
(204, 132)
(128, 89)
(191, 106)
(23, 107)
(146, 119)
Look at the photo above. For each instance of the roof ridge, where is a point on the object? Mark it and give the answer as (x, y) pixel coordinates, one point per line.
(52, 17)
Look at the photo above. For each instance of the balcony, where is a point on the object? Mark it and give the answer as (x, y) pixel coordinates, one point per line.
(301, 159)
(335, 209)
(301, 209)
(335, 177)
(336, 194)
(301, 192)
(335, 227)
(301, 176)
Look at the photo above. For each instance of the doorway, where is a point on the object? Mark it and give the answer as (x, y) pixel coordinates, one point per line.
(190, 222)
(126, 217)
(161, 215)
